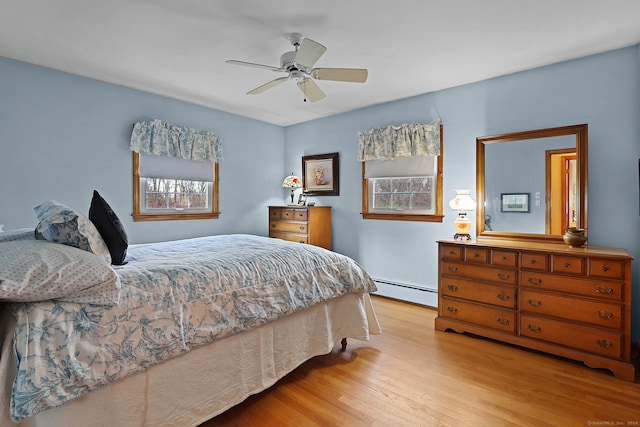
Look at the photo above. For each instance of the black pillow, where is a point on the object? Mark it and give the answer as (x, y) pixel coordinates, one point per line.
(110, 228)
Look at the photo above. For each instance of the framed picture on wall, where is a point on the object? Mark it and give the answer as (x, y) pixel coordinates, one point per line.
(514, 202)
(320, 175)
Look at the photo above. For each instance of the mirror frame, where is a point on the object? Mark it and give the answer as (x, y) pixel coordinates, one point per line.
(581, 134)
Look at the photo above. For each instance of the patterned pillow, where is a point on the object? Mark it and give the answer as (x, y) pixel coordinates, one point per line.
(110, 228)
(17, 234)
(61, 224)
(36, 270)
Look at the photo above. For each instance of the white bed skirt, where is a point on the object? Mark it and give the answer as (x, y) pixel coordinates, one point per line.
(190, 389)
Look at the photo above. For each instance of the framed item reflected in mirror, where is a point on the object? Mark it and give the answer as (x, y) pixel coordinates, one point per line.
(514, 202)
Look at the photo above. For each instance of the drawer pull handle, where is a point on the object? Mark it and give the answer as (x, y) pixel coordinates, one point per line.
(476, 256)
(534, 281)
(301, 241)
(504, 258)
(604, 314)
(533, 261)
(534, 303)
(604, 343)
(452, 253)
(273, 226)
(605, 269)
(502, 297)
(533, 328)
(601, 290)
(302, 228)
(452, 288)
(452, 309)
(567, 265)
(502, 321)
(453, 269)
(503, 276)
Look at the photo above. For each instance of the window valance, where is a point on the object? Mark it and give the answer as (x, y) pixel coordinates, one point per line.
(161, 139)
(406, 140)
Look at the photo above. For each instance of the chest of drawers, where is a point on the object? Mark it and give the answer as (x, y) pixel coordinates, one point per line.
(571, 302)
(303, 224)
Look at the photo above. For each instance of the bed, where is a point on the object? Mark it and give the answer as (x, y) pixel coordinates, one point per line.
(186, 330)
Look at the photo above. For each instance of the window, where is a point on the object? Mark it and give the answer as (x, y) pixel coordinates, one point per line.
(413, 193)
(405, 188)
(168, 195)
(167, 188)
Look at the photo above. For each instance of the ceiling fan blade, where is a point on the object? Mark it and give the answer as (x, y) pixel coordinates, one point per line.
(251, 64)
(311, 90)
(308, 53)
(266, 86)
(356, 75)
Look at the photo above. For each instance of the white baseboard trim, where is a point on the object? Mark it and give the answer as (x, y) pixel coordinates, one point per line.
(406, 292)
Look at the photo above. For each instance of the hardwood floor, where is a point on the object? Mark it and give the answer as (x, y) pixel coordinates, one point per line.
(412, 375)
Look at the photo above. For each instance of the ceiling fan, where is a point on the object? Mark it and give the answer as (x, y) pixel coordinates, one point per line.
(299, 63)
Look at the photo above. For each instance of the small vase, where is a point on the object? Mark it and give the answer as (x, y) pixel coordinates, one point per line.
(575, 237)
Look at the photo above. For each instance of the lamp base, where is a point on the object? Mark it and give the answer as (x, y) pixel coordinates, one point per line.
(459, 236)
(462, 225)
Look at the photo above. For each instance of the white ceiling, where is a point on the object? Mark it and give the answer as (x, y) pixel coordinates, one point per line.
(178, 48)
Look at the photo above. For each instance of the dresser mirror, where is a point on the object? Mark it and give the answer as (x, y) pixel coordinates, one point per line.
(531, 185)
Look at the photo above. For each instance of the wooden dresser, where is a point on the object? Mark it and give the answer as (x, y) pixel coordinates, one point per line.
(304, 224)
(571, 302)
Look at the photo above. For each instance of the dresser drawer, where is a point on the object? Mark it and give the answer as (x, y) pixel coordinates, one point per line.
(451, 252)
(292, 237)
(490, 274)
(275, 213)
(608, 315)
(592, 340)
(568, 264)
(575, 285)
(476, 255)
(534, 261)
(606, 268)
(503, 296)
(504, 258)
(299, 214)
(288, 214)
(294, 227)
(479, 314)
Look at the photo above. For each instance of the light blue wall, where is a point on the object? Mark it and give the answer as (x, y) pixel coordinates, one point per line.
(601, 90)
(61, 136)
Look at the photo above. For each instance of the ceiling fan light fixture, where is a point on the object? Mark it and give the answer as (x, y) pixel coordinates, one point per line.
(299, 64)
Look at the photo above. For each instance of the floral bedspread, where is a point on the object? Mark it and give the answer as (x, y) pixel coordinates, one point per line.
(175, 296)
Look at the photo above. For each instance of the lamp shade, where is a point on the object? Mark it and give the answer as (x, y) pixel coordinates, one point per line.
(292, 181)
(462, 202)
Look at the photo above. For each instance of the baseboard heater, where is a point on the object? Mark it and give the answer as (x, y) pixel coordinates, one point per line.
(405, 285)
(407, 292)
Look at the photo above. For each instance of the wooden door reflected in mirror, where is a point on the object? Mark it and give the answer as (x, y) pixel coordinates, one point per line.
(562, 188)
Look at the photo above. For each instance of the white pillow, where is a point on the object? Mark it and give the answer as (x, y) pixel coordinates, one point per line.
(61, 224)
(38, 270)
(17, 234)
